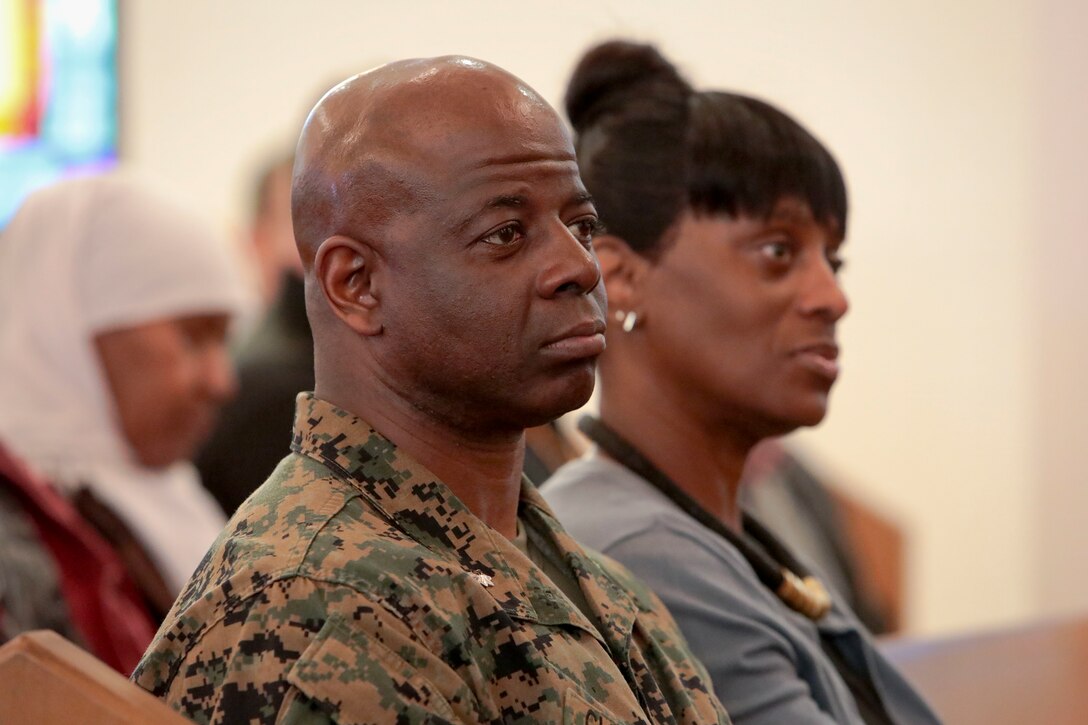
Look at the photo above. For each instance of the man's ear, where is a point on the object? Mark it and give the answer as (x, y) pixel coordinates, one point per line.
(347, 270)
(622, 270)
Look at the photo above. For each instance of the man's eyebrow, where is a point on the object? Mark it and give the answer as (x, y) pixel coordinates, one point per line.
(584, 198)
(513, 201)
(503, 201)
(506, 200)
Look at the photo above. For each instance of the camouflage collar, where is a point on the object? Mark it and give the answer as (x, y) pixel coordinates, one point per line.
(413, 500)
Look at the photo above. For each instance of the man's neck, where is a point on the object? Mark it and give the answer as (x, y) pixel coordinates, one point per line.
(484, 472)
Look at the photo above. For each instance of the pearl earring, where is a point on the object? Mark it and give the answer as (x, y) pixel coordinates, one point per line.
(629, 321)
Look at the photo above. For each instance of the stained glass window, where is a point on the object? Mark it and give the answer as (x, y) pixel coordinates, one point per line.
(58, 93)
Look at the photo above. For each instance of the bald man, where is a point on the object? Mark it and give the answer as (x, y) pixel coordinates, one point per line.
(396, 568)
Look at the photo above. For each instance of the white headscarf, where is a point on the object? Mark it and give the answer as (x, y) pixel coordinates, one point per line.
(81, 257)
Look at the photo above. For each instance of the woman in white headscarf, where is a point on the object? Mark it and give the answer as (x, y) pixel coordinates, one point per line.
(114, 308)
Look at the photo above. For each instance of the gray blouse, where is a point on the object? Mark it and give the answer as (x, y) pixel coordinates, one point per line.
(766, 660)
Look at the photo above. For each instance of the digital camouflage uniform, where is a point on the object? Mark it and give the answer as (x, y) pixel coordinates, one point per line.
(353, 587)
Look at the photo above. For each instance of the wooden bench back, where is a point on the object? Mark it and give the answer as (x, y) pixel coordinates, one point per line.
(47, 680)
(1031, 674)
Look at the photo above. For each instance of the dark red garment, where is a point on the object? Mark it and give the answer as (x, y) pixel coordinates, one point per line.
(103, 603)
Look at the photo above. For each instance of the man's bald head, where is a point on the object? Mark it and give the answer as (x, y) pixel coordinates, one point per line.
(446, 234)
(373, 144)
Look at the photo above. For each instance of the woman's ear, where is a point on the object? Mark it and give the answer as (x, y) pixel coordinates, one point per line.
(348, 272)
(622, 270)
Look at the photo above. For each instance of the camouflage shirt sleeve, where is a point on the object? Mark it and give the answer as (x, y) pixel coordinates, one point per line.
(690, 676)
(292, 654)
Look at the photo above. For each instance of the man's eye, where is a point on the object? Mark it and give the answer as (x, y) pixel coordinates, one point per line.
(504, 236)
(585, 229)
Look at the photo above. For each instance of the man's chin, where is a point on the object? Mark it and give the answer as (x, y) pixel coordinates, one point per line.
(572, 395)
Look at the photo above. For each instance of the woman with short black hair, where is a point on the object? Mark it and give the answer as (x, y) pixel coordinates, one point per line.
(725, 220)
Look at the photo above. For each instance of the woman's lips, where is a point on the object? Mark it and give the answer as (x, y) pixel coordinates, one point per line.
(821, 358)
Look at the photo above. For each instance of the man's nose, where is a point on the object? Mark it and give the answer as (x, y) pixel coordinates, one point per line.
(571, 266)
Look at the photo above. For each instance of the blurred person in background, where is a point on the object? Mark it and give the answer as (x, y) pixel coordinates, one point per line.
(724, 223)
(275, 362)
(270, 237)
(114, 310)
(58, 573)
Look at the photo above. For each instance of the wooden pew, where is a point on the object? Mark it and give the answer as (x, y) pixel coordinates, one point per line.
(1030, 674)
(47, 680)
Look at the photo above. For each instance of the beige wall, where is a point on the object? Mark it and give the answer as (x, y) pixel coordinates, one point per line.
(935, 109)
(1059, 246)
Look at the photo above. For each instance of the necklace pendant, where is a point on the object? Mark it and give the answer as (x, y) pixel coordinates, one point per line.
(806, 596)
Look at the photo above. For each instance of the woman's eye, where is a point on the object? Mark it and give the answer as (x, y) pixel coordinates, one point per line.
(835, 262)
(189, 332)
(200, 332)
(504, 236)
(780, 251)
(585, 229)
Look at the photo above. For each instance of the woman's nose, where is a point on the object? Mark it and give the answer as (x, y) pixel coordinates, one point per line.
(823, 294)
